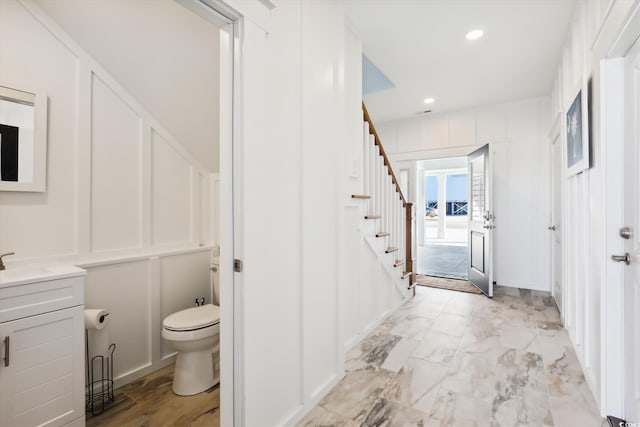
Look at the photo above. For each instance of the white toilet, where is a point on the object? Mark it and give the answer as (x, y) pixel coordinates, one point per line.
(195, 334)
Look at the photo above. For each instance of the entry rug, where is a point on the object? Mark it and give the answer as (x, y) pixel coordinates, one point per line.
(445, 283)
(461, 276)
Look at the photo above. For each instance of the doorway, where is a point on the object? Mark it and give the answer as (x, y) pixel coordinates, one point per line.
(442, 215)
(555, 226)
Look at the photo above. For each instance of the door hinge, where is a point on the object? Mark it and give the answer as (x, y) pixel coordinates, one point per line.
(237, 265)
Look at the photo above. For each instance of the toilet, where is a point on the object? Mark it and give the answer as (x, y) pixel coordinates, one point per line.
(195, 334)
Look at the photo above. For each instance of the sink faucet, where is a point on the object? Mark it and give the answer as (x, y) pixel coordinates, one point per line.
(2, 267)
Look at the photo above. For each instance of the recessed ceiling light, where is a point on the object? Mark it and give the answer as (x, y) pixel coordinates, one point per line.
(474, 35)
(429, 101)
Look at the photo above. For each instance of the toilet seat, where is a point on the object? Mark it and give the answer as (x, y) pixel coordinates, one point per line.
(192, 319)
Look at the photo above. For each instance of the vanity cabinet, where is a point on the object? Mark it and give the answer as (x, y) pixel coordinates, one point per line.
(42, 362)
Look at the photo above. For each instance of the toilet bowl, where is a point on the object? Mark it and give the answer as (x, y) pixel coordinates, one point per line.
(195, 334)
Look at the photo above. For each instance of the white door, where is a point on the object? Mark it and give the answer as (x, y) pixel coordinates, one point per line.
(555, 228)
(480, 221)
(630, 259)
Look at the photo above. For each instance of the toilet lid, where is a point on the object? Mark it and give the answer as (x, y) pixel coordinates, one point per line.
(193, 318)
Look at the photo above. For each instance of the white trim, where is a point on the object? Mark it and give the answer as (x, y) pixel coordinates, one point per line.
(230, 231)
(140, 257)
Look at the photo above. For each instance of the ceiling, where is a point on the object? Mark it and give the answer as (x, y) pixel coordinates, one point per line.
(420, 46)
(146, 45)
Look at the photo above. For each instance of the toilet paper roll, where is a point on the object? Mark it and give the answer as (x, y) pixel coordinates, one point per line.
(95, 319)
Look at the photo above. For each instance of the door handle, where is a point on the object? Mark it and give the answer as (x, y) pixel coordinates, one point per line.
(552, 228)
(7, 348)
(622, 258)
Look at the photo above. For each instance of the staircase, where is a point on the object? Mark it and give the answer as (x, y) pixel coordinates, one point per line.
(388, 223)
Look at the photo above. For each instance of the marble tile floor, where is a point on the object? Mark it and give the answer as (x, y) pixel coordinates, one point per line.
(449, 358)
(149, 402)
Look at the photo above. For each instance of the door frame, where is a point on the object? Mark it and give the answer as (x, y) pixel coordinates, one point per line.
(231, 298)
(556, 137)
(612, 103)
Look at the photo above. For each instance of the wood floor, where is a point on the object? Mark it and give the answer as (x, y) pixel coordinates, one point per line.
(149, 402)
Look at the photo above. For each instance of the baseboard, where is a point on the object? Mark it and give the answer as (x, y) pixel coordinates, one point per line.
(356, 339)
(138, 373)
(316, 397)
(589, 375)
(529, 286)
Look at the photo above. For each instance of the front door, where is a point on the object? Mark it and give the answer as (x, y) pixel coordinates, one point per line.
(480, 221)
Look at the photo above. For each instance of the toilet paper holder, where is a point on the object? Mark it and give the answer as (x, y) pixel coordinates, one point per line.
(99, 383)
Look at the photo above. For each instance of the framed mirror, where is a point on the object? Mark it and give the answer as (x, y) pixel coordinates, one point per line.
(23, 138)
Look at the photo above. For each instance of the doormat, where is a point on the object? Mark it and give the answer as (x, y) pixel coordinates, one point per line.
(461, 276)
(444, 283)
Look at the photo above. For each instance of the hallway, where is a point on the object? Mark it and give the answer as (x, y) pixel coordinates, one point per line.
(455, 359)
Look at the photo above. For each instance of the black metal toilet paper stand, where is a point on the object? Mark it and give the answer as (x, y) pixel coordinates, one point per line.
(99, 386)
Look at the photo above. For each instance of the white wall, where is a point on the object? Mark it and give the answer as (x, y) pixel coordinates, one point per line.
(517, 133)
(124, 198)
(596, 25)
(299, 153)
(163, 54)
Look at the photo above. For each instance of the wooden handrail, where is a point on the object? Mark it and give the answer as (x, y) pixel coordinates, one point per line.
(387, 163)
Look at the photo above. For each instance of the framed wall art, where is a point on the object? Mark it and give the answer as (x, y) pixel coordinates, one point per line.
(578, 134)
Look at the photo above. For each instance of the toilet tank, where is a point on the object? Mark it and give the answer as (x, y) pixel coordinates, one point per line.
(216, 280)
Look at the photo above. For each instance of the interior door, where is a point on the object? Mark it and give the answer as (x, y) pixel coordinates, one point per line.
(630, 235)
(556, 214)
(481, 220)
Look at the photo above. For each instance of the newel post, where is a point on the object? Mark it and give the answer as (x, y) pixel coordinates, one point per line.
(409, 212)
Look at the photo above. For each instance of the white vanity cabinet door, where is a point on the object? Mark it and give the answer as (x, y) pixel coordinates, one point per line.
(44, 382)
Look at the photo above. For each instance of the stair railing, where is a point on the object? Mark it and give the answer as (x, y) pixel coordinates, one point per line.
(387, 203)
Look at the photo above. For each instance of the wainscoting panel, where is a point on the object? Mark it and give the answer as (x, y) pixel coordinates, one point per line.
(171, 194)
(139, 293)
(123, 289)
(115, 171)
(351, 280)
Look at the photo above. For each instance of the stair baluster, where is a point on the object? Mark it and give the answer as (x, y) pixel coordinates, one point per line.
(396, 214)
